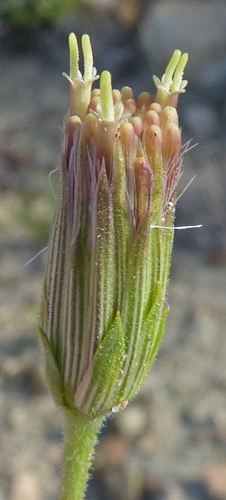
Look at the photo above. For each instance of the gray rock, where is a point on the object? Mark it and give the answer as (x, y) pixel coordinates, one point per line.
(194, 26)
(201, 120)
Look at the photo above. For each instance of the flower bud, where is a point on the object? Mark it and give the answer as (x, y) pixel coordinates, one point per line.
(103, 310)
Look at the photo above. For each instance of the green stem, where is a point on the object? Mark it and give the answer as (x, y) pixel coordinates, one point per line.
(80, 437)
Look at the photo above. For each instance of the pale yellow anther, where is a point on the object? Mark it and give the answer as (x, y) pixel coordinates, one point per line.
(88, 58)
(168, 77)
(74, 56)
(107, 104)
(179, 71)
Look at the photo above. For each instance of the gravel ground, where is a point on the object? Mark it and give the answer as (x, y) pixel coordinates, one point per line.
(170, 443)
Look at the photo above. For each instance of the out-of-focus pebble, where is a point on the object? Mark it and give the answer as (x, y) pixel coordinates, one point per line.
(26, 487)
(132, 421)
(216, 480)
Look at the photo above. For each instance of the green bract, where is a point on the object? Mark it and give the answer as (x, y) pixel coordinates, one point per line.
(104, 300)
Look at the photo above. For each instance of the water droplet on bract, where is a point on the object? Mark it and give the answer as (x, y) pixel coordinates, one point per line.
(115, 409)
(122, 405)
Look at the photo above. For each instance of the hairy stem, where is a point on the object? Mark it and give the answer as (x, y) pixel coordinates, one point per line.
(80, 437)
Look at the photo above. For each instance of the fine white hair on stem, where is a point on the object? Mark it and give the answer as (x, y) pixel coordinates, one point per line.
(131, 206)
(55, 199)
(170, 166)
(186, 187)
(186, 147)
(36, 255)
(196, 226)
(50, 182)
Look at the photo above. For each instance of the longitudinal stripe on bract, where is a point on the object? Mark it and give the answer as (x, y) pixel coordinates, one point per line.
(67, 347)
(110, 269)
(121, 267)
(91, 397)
(64, 278)
(132, 331)
(54, 276)
(101, 255)
(100, 402)
(149, 274)
(93, 299)
(91, 291)
(61, 276)
(68, 316)
(120, 228)
(107, 271)
(155, 258)
(154, 332)
(83, 338)
(108, 360)
(156, 312)
(121, 246)
(102, 297)
(68, 290)
(81, 314)
(82, 388)
(119, 274)
(130, 181)
(74, 333)
(88, 333)
(106, 402)
(147, 277)
(146, 353)
(96, 399)
(75, 168)
(145, 356)
(69, 332)
(136, 334)
(99, 260)
(45, 310)
(76, 291)
(86, 313)
(65, 318)
(51, 251)
(140, 280)
(57, 277)
(52, 262)
(165, 255)
(139, 341)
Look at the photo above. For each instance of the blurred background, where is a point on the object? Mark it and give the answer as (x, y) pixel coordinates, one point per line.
(170, 443)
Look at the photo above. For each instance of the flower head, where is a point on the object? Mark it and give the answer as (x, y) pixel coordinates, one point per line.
(104, 298)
